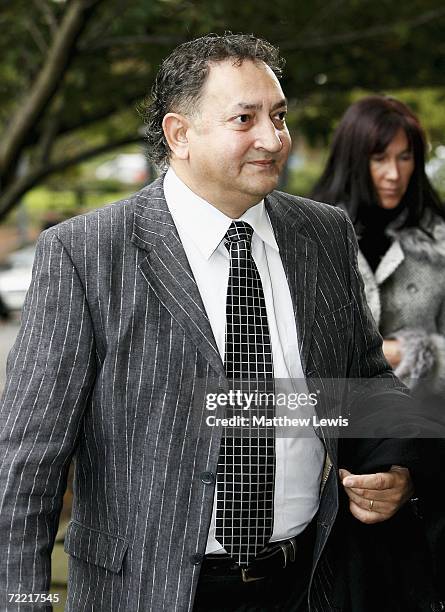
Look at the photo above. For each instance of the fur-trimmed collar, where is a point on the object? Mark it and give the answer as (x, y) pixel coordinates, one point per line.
(416, 242)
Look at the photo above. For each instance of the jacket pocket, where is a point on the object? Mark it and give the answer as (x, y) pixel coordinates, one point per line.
(339, 318)
(96, 547)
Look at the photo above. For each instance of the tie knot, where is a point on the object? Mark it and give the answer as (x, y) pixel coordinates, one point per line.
(238, 230)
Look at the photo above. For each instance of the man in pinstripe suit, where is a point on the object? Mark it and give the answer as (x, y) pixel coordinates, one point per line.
(122, 339)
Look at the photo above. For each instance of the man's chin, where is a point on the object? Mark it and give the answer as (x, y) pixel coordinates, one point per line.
(264, 186)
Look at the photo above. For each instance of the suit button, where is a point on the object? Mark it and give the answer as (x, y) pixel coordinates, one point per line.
(207, 478)
(197, 558)
(412, 288)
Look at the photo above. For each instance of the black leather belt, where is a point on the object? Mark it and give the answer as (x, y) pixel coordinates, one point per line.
(274, 557)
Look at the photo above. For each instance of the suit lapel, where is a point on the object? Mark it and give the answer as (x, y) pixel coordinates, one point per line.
(167, 271)
(299, 255)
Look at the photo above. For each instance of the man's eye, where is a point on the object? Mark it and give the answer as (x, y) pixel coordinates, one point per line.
(242, 119)
(280, 118)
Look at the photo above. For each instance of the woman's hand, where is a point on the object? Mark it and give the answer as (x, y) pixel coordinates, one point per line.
(393, 352)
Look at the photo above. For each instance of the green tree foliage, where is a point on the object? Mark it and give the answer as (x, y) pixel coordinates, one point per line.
(72, 71)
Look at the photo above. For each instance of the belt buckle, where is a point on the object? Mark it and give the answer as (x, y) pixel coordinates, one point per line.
(246, 578)
(293, 550)
(283, 547)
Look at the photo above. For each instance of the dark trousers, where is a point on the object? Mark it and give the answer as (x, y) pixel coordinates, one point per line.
(284, 591)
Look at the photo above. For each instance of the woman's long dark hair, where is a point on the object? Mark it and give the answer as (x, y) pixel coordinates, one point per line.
(367, 127)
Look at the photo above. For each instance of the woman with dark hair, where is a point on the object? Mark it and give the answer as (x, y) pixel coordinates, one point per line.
(376, 172)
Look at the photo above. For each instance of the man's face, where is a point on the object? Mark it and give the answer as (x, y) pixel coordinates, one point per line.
(238, 141)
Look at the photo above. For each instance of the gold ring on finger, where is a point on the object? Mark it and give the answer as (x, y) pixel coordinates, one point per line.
(371, 504)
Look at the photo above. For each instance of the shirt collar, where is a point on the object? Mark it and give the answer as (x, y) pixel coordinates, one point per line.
(205, 224)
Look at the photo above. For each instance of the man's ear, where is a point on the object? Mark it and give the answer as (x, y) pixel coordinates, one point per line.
(175, 128)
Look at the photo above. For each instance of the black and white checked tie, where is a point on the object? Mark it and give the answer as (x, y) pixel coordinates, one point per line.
(246, 467)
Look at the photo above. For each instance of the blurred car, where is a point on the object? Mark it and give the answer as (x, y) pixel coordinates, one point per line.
(15, 277)
(127, 168)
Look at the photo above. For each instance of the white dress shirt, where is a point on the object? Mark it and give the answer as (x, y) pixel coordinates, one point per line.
(202, 227)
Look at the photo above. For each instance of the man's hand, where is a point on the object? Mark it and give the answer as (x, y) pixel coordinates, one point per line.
(374, 498)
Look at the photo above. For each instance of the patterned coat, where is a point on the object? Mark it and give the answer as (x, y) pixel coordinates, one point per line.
(406, 295)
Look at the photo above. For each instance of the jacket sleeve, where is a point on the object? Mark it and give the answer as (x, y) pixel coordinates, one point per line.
(382, 417)
(50, 373)
(368, 360)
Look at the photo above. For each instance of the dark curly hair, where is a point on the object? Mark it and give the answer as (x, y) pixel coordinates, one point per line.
(179, 82)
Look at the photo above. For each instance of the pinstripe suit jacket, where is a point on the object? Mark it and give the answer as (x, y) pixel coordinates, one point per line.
(114, 344)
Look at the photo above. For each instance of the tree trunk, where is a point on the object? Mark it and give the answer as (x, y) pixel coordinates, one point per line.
(45, 86)
(22, 184)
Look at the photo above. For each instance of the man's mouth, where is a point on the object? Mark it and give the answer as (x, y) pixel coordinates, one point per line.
(263, 162)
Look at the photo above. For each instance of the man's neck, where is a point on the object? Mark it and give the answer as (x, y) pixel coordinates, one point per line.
(232, 209)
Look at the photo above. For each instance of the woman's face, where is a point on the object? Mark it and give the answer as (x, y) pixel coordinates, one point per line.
(391, 170)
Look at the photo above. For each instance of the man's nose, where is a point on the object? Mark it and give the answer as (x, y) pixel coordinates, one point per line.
(268, 137)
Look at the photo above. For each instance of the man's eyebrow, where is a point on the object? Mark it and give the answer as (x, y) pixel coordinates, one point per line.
(282, 103)
(249, 106)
